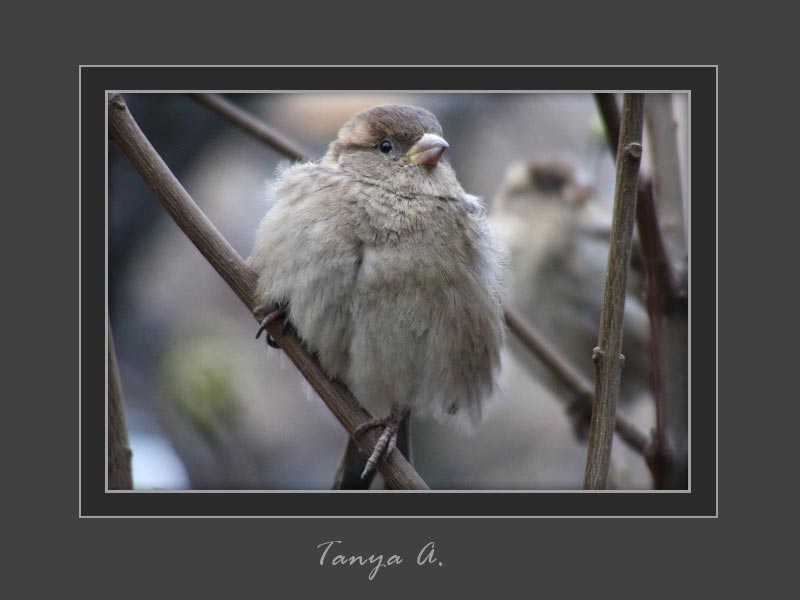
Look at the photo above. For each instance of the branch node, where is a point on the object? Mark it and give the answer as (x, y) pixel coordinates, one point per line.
(597, 354)
(634, 150)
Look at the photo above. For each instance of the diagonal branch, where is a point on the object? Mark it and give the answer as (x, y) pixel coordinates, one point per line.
(607, 355)
(528, 335)
(571, 377)
(252, 125)
(241, 279)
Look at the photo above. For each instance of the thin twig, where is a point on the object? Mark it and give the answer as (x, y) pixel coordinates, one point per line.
(527, 334)
(570, 377)
(120, 476)
(241, 279)
(607, 355)
(252, 125)
(657, 455)
(607, 105)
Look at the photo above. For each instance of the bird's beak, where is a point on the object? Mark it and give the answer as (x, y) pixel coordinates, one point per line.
(428, 150)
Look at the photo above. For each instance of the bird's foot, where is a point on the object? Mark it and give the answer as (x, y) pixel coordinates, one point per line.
(279, 313)
(385, 444)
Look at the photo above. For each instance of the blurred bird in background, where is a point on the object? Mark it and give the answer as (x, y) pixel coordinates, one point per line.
(558, 241)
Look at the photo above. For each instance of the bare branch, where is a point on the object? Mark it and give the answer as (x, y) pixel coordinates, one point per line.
(119, 452)
(607, 105)
(241, 279)
(607, 355)
(252, 125)
(561, 367)
(657, 455)
(569, 376)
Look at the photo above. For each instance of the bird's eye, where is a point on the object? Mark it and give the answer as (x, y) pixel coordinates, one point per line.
(385, 146)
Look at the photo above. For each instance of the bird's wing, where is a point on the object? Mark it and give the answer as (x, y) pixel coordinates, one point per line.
(307, 255)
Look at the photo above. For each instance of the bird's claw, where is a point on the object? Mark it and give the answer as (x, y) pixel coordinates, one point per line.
(276, 314)
(385, 445)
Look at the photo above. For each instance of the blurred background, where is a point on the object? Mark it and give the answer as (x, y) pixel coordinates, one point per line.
(209, 407)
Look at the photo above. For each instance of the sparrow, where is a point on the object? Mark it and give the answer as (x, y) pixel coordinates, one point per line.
(558, 243)
(388, 271)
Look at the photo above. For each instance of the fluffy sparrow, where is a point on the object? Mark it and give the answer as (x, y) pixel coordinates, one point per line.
(387, 270)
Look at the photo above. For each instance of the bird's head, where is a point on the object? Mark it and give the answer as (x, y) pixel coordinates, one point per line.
(540, 183)
(398, 147)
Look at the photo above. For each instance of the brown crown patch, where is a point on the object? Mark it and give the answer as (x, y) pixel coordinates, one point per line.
(403, 123)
